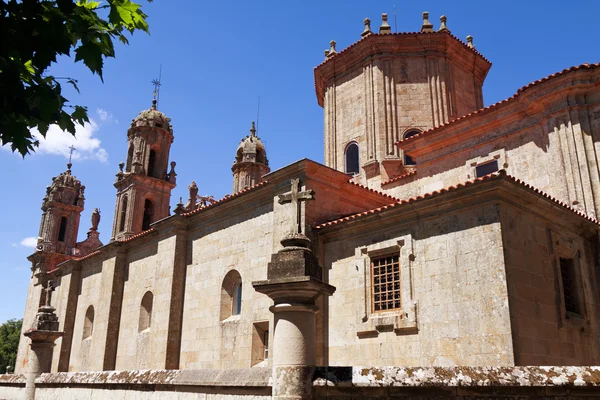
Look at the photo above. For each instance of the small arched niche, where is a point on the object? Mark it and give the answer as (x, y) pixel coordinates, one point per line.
(145, 321)
(408, 160)
(231, 295)
(88, 323)
(352, 159)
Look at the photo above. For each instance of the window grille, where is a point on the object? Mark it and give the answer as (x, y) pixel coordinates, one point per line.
(386, 283)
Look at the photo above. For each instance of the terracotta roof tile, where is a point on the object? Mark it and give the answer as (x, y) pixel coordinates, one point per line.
(143, 233)
(511, 98)
(497, 175)
(93, 253)
(400, 177)
(226, 198)
(373, 190)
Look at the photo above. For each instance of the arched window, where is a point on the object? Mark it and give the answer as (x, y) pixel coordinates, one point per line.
(148, 212)
(231, 295)
(151, 162)
(146, 311)
(123, 214)
(62, 231)
(408, 160)
(88, 323)
(351, 155)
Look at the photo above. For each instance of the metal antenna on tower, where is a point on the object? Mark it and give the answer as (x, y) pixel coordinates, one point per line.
(395, 24)
(257, 113)
(157, 84)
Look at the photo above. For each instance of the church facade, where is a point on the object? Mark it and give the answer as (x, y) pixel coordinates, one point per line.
(438, 232)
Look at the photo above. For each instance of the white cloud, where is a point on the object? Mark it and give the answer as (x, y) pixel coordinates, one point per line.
(87, 146)
(104, 115)
(29, 242)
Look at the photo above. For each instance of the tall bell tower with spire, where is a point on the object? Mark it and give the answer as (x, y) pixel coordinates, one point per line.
(143, 184)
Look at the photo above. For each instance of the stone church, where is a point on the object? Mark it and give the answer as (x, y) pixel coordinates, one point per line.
(439, 234)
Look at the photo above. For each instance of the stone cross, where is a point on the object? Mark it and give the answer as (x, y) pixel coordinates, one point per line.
(72, 148)
(48, 291)
(295, 197)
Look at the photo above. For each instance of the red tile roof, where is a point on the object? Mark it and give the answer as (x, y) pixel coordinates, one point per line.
(400, 34)
(399, 177)
(493, 106)
(498, 175)
(226, 198)
(374, 191)
(143, 233)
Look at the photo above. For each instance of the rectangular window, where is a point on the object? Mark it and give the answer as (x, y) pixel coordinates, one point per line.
(571, 290)
(386, 283)
(486, 169)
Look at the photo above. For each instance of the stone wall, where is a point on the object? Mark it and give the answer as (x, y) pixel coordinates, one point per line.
(543, 332)
(454, 308)
(239, 240)
(546, 135)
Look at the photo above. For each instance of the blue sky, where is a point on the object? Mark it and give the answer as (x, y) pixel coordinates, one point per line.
(217, 57)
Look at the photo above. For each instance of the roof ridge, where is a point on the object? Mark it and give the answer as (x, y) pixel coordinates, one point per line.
(397, 178)
(496, 175)
(373, 190)
(508, 99)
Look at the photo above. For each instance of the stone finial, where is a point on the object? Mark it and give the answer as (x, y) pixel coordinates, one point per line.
(326, 51)
(253, 129)
(470, 41)
(95, 219)
(443, 27)
(367, 30)
(427, 26)
(332, 50)
(171, 176)
(121, 166)
(385, 28)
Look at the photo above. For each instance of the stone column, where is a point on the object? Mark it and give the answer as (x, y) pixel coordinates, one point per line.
(43, 333)
(294, 282)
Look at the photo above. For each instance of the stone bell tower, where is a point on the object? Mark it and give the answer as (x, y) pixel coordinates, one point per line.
(389, 86)
(143, 184)
(61, 209)
(250, 162)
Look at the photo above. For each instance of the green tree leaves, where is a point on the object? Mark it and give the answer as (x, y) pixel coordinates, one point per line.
(32, 34)
(10, 333)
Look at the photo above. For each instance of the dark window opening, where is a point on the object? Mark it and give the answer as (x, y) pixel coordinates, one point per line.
(237, 299)
(123, 214)
(385, 272)
(148, 212)
(352, 164)
(129, 158)
(570, 286)
(151, 162)
(486, 169)
(408, 160)
(63, 229)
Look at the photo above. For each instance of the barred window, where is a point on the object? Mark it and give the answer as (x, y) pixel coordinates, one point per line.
(386, 282)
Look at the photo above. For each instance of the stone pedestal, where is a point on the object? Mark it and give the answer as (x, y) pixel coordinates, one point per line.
(294, 283)
(42, 334)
